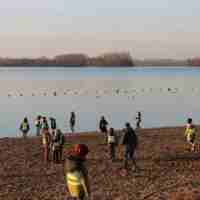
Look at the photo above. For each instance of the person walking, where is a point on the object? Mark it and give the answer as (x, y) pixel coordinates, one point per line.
(38, 125)
(44, 125)
(61, 143)
(190, 134)
(46, 139)
(103, 125)
(130, 142)
(52, 124)
(72, 121)
(138, 120)
(76, 173)
(112, 143)
(24, 127)
(56, 147)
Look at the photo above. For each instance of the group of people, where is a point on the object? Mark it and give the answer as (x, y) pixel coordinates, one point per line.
(41, 122)
(52, 138)
(103, 123)
(76, 173)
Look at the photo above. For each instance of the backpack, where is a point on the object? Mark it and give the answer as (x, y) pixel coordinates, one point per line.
(62, 139)
(53, 124)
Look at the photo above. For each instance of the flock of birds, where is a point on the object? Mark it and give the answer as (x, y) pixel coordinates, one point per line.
(100, 93)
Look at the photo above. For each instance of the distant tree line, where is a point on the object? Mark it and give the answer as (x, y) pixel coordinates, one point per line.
(109, 59)
(194, 61)
(115, 59)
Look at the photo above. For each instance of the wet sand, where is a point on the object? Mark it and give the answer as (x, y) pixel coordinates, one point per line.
(166, 168)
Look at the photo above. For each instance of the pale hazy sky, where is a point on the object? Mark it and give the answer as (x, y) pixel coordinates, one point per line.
(146, 28)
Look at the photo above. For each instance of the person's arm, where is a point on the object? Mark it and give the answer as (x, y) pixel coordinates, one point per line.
(86, 185)
(65, 171)
(20, 127)
(85, 180)
(28, 127)
(124, 139)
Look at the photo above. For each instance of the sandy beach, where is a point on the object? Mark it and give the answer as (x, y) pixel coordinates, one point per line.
(167, 168)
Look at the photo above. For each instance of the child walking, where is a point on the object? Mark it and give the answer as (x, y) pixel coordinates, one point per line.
(76, 173)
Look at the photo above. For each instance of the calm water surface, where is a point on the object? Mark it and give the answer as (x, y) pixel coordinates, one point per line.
(165, 96)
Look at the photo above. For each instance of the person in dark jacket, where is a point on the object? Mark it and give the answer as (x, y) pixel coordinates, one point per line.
(72, 121)
(38, 125)
(53, 123)
(103, 125)
(61, 143)
(138, 120)
(130, 142)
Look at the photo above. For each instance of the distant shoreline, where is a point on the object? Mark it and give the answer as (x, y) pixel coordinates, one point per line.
(121, 59)
(93, 66)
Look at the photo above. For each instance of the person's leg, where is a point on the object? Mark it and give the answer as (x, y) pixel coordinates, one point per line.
(112, 151)
(60, 152)
(137, 124)
(57, 155)
(126, 155)
(72, 128)
(132, 152)
(45, 153)
(24, 134)
(37, 131)
(192, 145)
(54, 155)
(48, 154)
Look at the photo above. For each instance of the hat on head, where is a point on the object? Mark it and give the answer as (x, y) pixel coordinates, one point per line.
(79, 151)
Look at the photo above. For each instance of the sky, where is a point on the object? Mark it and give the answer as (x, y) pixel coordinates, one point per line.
(145, 28)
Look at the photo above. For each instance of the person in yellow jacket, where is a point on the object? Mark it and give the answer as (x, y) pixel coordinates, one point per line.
(76, 174)
(25, 127)
(190, 134)
(188, 125)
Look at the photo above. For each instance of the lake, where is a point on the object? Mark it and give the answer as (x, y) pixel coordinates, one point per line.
(166, 96)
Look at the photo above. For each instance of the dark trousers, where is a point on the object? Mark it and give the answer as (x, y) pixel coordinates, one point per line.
(46, 153)
(56, 155)
(38, 131)
(129, 155)
(112, 151)
(61, 152)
